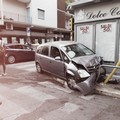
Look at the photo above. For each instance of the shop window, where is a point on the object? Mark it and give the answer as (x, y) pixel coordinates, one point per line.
(22, 40)
(5, 40)
(14, 40)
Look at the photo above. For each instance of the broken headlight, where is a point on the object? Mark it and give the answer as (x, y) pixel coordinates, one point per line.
(83, 73)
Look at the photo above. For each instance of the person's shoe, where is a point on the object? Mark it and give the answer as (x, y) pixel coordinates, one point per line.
(3, 74)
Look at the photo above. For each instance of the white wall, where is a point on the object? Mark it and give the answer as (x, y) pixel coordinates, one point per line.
(50, 7)
(15, 7)
(19, 8)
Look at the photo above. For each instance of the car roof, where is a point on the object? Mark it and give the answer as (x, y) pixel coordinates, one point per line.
(58, 43)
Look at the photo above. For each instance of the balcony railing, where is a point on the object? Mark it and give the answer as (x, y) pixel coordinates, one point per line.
(24, 1)
(17, 18)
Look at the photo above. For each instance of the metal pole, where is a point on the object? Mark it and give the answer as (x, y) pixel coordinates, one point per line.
(112, 73)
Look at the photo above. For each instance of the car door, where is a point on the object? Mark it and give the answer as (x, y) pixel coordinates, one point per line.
(19, 52)
(28, 52)
(57, 65)
(43, 57)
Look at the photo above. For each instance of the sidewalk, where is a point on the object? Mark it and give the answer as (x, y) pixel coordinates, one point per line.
(108, 89)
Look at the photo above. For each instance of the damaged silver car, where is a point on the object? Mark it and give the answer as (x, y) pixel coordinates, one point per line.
(70, 61)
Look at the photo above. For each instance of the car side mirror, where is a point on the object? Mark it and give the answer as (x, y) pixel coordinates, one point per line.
(58, 58)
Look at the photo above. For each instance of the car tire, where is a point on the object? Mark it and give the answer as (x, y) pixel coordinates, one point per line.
(71, 83)
(11, 59)
(38, 68)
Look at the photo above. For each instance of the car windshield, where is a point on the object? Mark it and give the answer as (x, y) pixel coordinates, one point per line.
(76, 50)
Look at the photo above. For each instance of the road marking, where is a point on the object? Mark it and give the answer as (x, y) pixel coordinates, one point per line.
(10, 110)
(32, 92)
(89, 97)
(52, 85)
(21, 63)
(40, 119)
(22, 100)
(25, 101)
(23, 66)
(69, 107)
(28, 66)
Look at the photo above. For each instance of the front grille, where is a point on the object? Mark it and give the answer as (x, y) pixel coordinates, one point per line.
(92, 69)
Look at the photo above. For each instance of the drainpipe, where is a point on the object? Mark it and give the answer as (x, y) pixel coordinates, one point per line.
(28, 35)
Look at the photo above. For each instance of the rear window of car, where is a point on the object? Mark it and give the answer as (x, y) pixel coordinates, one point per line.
(44, 50)
(11, 46)
(18, 47)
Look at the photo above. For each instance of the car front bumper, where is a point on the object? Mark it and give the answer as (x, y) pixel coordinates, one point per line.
(87, 87)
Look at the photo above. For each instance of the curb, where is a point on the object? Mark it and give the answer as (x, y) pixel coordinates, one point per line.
(110, 90)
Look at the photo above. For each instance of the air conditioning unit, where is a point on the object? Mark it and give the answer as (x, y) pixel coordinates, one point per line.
(9, 26)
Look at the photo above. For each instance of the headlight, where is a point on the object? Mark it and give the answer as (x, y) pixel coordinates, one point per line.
(83, 73)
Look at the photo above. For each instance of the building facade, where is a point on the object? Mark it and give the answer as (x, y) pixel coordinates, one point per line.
(33, 20)
(97, 25)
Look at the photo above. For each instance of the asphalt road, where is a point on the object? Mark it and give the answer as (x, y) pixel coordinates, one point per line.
(27, 95)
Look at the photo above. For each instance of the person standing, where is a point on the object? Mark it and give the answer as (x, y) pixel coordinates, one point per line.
(2, 57)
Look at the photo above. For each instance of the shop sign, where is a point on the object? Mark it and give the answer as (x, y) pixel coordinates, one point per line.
(84, 29)
(112, 12)
(83, 15)
(106, 27)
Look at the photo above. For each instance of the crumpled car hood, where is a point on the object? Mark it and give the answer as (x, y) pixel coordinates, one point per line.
(86, 61)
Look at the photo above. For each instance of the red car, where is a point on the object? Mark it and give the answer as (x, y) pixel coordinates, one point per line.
(19, 52)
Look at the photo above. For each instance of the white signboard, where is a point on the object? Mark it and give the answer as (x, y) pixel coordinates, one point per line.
(105, 40)
(85, 35)
(98, 12)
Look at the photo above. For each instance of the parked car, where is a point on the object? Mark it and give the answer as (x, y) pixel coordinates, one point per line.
(71, 61)
(19, 52)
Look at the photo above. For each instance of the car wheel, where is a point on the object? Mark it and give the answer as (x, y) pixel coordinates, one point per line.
(38, 68)
(11, 59)
(71, 82)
